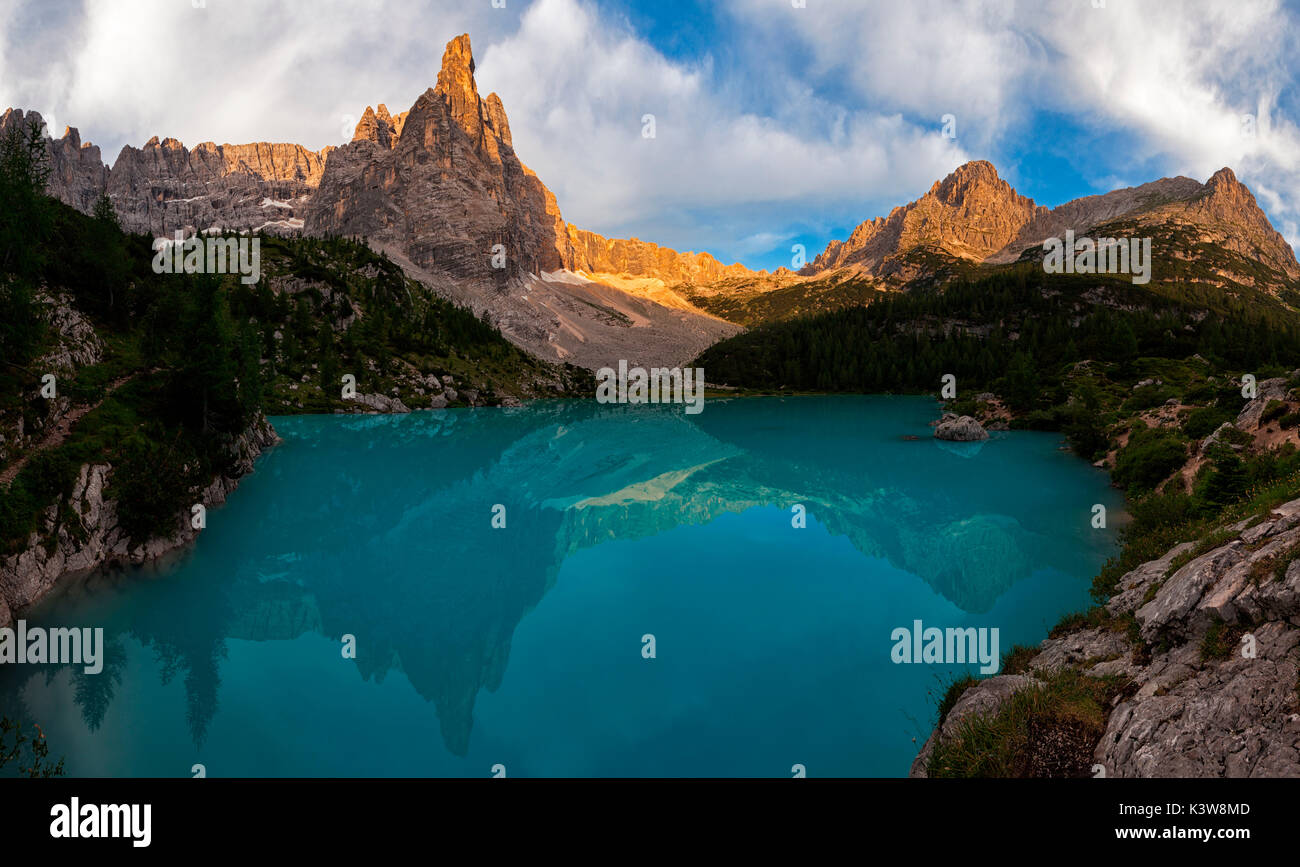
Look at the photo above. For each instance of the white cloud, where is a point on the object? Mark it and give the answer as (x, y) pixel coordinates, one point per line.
(234, 71)
(575, 83)
(804, 119)
(1176, 75)
(577, 86)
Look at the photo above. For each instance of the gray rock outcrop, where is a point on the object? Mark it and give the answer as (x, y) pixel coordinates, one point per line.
(986, 699)
(962, 430)
(1215, 438)
(165, 186)
(1266, 391)
(78, 175)
(381, 403)
(74, 345)
(1192, 711)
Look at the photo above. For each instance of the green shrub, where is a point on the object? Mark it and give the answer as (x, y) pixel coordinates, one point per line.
(1147, 398)
(1203, 392)
(1275, 409)
(1095, 616)
(1086, 433)
(47, 478)
(1203, 422)
(1148, 458)
(1227, 482)
(154, 483)
(34, 761)
(1220, 640)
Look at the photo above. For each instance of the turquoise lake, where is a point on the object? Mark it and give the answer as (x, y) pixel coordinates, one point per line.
(522, 646)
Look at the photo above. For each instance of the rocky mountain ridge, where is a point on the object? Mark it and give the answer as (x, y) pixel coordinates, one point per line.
(441, 187)
(975, 215)
(78, 175)
(164, 186)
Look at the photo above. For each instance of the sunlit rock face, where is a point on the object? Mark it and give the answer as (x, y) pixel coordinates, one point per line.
(970, 214)
(975, 215)
(442, 183)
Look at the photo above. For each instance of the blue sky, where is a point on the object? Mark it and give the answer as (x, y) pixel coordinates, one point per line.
(774, 125)
(1050, 154)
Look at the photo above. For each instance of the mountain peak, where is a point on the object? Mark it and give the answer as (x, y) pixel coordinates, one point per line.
(379, 126)
(976, 168)
(497, 117)
(971, 214)
(459, 54)
(457, 89)
(978, 177)
(1224, 188)
(365, 126)
(77, 176)
(457, 73)
(1224, 175)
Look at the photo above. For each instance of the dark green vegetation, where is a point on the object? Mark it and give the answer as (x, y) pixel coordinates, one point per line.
(25, 215)
(1220, 640)
(1228, 487)
(342, 309)
(1017, 331)
(29, 754)
(953, 692)
(190, 361)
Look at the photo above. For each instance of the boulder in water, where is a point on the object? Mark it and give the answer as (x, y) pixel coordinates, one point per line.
(962, 430)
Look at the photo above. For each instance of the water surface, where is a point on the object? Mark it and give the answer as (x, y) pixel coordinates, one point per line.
(523, 646)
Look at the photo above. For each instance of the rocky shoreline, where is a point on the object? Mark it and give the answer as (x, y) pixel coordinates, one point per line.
(1209, 644)
(96, 540)
(1205, 641)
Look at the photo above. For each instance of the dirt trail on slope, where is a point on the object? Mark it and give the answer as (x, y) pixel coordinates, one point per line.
(60, 433)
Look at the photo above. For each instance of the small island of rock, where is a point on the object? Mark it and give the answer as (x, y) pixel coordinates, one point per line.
(962, 429)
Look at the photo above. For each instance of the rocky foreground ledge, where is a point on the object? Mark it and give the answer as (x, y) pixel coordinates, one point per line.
(94, 538)
(1206, 641)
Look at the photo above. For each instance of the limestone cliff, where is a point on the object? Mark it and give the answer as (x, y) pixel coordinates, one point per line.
(970, 214)
(164, 186)
(77, 174)
(594, 254)
(444, 185)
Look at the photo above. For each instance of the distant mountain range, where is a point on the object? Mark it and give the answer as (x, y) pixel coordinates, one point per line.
(439, 186)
